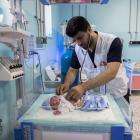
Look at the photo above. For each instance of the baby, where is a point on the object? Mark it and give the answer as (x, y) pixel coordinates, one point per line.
(60, 105)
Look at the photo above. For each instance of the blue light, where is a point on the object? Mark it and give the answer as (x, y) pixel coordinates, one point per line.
(104, 1)
(45, 2)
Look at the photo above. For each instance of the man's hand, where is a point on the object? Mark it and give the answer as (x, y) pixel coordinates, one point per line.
(62, 89)
(75, 94)
(71, 74)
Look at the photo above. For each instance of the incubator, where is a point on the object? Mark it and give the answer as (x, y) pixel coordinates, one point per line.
(102, 125)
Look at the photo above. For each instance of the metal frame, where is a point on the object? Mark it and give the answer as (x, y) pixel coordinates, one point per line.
(26, 132)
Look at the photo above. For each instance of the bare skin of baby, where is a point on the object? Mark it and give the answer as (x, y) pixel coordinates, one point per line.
(55, 102)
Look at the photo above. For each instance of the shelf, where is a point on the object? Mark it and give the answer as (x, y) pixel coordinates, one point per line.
(13, 34)
(10, 36)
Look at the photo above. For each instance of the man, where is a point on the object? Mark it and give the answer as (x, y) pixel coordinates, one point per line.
(97, 54)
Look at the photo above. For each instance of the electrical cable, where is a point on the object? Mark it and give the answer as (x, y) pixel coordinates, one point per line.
(40, 68)
(41, 73)
(86, 10)
(79, 9)
(72, 10)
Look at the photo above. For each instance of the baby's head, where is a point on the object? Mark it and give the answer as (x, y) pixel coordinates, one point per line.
(55, 102)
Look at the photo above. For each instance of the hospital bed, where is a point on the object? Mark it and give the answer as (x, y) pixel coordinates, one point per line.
(40, 124)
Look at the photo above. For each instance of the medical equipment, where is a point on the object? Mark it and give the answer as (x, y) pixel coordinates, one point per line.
(51, 74)
(39, 76)
(19, 41)
(52, 77)
(16, 95)
(10, 69)
(65, 64)
(19, 20)
(15, 38)
(67, 55)
(40, 124)
(89, 102)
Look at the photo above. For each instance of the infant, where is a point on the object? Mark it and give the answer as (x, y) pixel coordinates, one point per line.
(60, 105)
(89, 102)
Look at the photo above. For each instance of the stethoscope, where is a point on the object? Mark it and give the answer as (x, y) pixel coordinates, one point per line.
(85, 54)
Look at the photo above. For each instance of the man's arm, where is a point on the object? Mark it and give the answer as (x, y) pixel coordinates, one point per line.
(102, 78)
(113, 62)
(77, 92)
(71, 74)
(70, 77)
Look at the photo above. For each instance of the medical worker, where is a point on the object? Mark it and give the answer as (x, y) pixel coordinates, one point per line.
(98, 56)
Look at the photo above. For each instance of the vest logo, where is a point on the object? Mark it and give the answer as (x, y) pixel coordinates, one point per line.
(103, 63)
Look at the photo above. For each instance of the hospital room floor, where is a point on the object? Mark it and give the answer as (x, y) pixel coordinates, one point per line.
(135, 102)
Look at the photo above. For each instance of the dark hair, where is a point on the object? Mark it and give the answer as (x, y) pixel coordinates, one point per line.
(76, 24)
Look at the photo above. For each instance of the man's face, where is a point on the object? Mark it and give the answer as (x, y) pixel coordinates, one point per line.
(82, 39)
